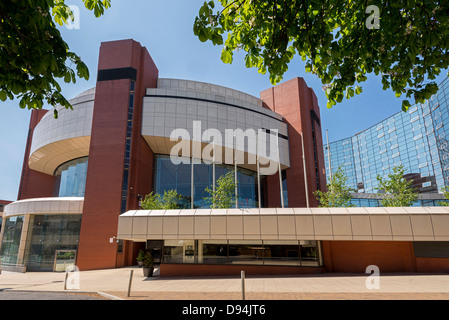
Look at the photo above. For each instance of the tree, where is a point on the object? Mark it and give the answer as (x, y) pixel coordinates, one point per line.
(396, 191)
(337, 194)
(223, 197)
(33, 54)
(170, 200)
(404, 42)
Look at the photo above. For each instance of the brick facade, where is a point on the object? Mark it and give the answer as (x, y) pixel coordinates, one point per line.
(102, 204)
(298, 104)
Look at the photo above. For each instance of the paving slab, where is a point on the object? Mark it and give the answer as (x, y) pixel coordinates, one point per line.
(115, 283)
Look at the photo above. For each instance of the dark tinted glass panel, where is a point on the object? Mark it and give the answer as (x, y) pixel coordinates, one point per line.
(11, 240)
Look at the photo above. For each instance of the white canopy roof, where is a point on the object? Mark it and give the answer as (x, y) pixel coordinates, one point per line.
(361, 223)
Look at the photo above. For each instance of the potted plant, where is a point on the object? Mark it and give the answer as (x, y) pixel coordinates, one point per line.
(140, 258)
(148, 265)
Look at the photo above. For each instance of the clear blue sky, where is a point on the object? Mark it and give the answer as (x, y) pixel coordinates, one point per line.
(166, 29)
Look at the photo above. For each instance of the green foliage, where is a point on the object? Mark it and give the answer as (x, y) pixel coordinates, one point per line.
(224, 195)
(170, 200)
(148, 260)
(337, 194)
(407, 52)
(141, 255)
(396, 190)
(445, 191)
(33, 54)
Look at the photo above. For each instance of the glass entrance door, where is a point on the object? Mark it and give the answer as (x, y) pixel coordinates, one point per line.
(64, 259)
(155, 248)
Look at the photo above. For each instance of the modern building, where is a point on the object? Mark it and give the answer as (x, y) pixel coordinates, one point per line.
(416, 139)
(85, 173)
(89, 166)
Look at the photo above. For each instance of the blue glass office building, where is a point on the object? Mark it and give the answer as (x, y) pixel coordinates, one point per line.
(416, 139)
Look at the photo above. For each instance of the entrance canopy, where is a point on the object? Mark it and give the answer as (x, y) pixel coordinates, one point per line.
(370, 223)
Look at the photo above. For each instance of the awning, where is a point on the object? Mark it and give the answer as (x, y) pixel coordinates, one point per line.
(367, 223)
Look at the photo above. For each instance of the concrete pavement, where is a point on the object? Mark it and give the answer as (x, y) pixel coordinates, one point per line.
(114, 284)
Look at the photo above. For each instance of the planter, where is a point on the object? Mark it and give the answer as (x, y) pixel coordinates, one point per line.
(148, 272)
(139, 264)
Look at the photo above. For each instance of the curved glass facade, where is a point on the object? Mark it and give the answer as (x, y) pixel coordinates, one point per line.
(71, 178)
(170, 176)
(416, 139)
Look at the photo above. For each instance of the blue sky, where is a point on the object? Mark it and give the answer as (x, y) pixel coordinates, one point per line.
(166, 29)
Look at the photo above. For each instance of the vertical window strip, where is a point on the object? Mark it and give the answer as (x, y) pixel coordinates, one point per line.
(129, 130)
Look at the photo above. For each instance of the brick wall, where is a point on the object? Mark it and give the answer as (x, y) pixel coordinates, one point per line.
(34, 184)
(102, 203)
(355, 256)
(295, 102)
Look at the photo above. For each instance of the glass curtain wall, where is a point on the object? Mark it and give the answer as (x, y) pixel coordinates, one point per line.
(376, 203)
(71, 178)
(11, 240)
(416, 139)
(48, 233)
(170, 176)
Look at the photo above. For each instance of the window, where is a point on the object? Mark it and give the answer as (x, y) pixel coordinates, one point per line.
(246, 252)
(213, 251)
(414, 119)
(437, 116)
(422, 165)
(11, 240)
(179, 251)
(129, 131)
(49, 233)
(120, 246)
(413, 109)
(170, 176)
(284, 188)
(397, 163)
(71, 178)
(421, 155)
(419, 146)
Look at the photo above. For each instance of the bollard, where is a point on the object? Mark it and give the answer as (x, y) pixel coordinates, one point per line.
(65, 280)
(243, 284)
(130, 282)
